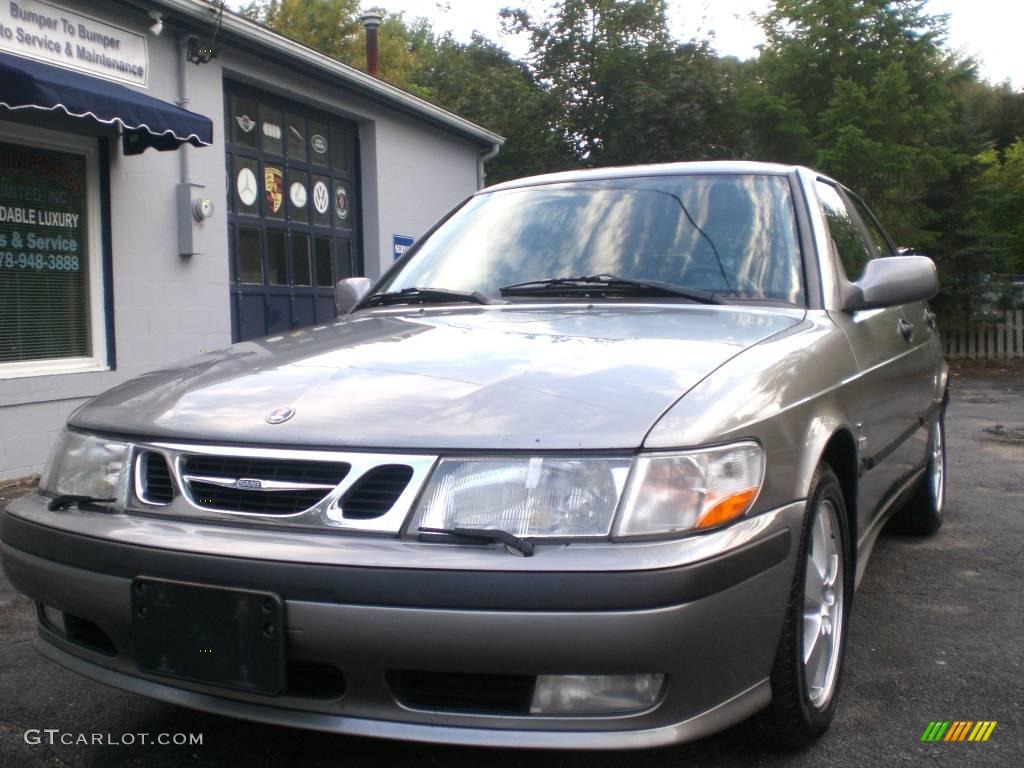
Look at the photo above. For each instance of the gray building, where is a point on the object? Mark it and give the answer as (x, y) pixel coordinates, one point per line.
(134, 233)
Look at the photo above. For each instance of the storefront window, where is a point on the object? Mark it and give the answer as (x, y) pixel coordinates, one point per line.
(250, 259)
(276, 264)
(324, 267)
(300, 259)
(47, 314)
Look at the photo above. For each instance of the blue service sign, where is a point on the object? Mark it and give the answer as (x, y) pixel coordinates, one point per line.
(400, 244)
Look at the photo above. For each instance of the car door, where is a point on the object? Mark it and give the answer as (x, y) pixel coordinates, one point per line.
(877, 398)
(920, 330)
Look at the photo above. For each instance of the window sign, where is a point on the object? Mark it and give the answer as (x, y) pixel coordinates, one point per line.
(400, 244)
(55, 35)
(44, 301)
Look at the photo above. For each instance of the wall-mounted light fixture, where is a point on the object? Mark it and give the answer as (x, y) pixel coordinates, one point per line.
(158, 23)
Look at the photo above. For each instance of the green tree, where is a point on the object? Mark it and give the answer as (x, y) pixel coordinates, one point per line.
(625, 91)
(1000, 203)
(866, 91)
(332, 27)
(481, 82)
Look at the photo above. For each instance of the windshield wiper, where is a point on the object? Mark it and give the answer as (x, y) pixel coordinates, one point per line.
(84, 503)
(560, 286)
(417, 295)
(512, 542)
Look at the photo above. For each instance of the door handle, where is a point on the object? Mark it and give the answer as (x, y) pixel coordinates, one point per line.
(906, 330)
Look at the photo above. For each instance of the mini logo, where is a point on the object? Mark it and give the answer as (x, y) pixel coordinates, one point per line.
(280, 415)
(958, 730)
(248, 483)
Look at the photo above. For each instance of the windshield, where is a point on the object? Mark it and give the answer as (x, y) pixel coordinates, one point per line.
(730, 235)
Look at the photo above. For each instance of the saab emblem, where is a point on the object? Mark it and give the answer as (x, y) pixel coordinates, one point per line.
(280, 415)
(248, 484)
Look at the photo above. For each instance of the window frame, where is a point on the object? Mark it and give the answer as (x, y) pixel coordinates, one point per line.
(88, 146)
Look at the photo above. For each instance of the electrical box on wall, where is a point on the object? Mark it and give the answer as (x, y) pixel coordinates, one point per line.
(194, 209)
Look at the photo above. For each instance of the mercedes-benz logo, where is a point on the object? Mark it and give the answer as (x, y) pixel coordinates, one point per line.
(246, 185)
(280, 415)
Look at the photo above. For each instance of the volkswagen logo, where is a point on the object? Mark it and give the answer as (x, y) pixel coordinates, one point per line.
(248, 483)
(280, 415)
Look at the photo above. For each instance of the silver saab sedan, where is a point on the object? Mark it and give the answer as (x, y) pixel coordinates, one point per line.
(597, 464)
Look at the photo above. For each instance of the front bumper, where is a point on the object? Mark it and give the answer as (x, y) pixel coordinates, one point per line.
(709, 622)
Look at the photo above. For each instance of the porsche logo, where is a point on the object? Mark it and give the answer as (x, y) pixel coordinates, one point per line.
(273, 185)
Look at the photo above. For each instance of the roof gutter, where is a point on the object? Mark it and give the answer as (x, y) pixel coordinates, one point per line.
(199, 10)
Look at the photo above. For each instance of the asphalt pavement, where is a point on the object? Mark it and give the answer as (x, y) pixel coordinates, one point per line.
(937, 633)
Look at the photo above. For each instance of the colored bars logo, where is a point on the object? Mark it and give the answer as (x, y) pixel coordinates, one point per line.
(958, 730)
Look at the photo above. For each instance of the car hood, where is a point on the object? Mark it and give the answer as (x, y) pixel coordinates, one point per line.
(590, 377)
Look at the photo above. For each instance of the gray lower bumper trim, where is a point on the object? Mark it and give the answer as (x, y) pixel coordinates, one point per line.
(738, 708)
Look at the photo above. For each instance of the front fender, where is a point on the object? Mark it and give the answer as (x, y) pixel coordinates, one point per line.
(786, 392)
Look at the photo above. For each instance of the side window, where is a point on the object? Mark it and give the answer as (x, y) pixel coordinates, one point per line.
(847, 240)
(879, 241)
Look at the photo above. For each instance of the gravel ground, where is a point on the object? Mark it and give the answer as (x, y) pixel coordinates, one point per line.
(935, 635)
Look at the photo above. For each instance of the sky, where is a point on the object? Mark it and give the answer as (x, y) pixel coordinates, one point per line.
(988, 30)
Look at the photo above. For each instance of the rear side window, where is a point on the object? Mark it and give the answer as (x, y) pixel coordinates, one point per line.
(847, 241)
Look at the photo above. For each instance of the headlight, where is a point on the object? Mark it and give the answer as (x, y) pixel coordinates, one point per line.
(84, 465)
(534, 496)
(693, 490)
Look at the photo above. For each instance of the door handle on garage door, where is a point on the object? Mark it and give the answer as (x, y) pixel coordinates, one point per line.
(906, 330)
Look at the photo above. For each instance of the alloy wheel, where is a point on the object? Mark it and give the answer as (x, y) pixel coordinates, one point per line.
(823, 605)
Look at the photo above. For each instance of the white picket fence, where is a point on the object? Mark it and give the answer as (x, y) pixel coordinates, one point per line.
(997, 340)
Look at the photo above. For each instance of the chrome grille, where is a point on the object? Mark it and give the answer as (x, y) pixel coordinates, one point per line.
(153, 483)
(376, 492)
(259, 486)
(286, 487)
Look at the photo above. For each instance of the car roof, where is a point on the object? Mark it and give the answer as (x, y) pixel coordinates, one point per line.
(659, 169)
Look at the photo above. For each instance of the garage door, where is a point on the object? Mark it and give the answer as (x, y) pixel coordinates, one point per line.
(293, 211)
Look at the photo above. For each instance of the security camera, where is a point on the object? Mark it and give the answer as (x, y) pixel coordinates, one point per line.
(158, 23)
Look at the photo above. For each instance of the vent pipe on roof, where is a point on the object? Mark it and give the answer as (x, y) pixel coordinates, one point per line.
(371, 22)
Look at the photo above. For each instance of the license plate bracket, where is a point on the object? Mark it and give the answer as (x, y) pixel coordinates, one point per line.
(232, 638)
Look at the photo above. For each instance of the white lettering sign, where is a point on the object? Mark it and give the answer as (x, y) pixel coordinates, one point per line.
(51, 34)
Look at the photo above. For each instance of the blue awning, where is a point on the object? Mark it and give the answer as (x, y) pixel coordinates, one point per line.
(145, 121)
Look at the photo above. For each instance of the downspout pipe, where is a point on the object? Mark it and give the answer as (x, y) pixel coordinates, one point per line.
(183, 101)
(481, 176)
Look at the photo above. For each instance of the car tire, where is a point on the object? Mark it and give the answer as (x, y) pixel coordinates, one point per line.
(922, 514)
(808, 663)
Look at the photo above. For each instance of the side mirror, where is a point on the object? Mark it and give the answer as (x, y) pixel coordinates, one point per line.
(349, 292)
(890, 281)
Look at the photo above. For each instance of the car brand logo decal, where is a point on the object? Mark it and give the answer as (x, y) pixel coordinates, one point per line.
(246, 186)
(248, 483)
(319, 143)
(273, 183)
(280, 415)
(272, 130)
(297, 194)
(245, 122)
(341, 203)
(321, 197)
